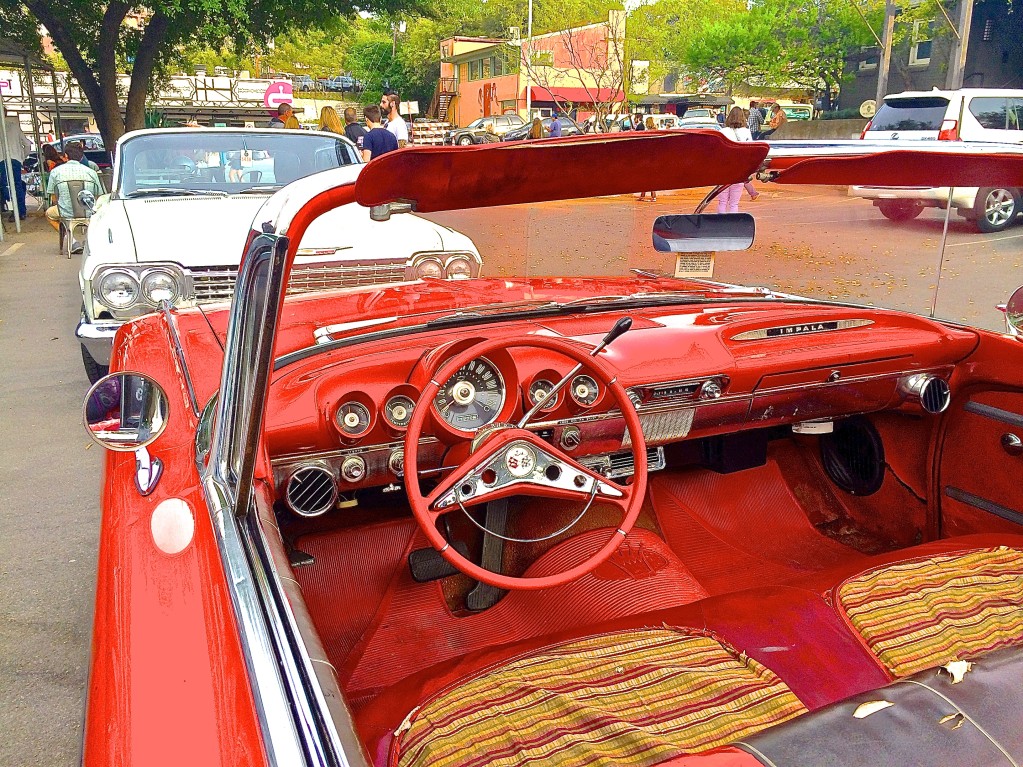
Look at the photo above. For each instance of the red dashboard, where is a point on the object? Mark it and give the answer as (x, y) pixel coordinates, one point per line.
(691, 371)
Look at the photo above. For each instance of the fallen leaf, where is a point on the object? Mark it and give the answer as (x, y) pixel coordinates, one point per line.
(957, 669)
(871, 707)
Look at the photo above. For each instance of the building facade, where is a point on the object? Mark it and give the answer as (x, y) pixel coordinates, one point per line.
(579, 71)
(994, 55)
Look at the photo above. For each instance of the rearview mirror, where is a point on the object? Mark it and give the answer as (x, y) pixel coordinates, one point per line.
(703, 232)
(125, 411)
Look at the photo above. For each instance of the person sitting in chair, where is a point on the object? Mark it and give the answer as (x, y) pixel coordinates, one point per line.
(57, 187)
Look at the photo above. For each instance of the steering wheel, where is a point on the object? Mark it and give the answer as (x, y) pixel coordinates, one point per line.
(508, 461)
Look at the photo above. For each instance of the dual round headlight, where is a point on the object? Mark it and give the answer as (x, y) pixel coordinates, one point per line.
(457, 268)
(121, 288)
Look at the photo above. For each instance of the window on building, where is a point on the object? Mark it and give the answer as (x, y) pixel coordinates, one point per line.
(499, 66)
(991, 113)
(920, 48)
(474, 70)
(488, 68)
(870, 56)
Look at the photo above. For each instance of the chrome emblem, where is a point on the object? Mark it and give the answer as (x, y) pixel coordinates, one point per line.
(520, 461)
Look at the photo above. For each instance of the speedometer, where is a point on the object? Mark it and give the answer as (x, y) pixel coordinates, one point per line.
(472, 397)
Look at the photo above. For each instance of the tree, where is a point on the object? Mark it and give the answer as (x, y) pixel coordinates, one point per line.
(783, 43)
(97, 39)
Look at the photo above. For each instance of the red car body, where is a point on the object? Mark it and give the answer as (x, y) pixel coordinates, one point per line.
(172, 677)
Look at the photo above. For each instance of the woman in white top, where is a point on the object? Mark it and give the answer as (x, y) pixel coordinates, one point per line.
(735, 128)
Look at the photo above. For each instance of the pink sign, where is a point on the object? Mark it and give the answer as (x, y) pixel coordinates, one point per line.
(277, 93)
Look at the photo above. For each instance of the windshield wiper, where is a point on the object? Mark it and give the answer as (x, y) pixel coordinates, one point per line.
(169, 191)
(264, 189)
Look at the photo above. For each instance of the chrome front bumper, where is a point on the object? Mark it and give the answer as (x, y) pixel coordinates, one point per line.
(97, 337)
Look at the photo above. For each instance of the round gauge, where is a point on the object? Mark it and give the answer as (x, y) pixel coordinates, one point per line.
(472, 397)
(352, 418)
(584, 390)
(540, 388)
(398, 411)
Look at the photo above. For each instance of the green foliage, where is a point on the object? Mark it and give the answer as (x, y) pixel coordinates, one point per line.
(783, 43)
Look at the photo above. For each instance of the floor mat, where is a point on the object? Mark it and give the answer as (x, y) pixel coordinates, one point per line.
(737, 531)
(413, 628)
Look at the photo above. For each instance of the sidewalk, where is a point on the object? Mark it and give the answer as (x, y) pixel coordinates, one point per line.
(50, 475)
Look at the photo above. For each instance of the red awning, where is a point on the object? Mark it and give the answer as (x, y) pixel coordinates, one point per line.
(450, 178)
(576, 95)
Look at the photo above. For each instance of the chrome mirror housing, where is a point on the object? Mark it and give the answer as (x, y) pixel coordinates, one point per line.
(125, 411)
(88, 200)
(703, 232)
(1013, 309)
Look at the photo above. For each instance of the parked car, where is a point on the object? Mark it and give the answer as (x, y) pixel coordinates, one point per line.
(698, 123)
(969, 115)
(564, 521)
(304, 83)
(479, 129)
(568, 128)
(174, 226)
(92, 143)
(792, 110)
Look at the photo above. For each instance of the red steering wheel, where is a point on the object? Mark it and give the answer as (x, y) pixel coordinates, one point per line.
(508, 461)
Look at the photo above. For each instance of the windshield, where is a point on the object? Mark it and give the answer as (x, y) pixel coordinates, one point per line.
(225, 161)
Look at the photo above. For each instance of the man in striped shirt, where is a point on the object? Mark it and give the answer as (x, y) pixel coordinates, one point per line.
(755, 121)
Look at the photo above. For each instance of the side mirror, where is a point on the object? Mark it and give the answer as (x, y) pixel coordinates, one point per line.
(88, 200)
(1013, 309)
(125, 411)
(703, 232)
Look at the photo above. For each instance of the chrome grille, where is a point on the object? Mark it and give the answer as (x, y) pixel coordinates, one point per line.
(217, 283)
(665, 426)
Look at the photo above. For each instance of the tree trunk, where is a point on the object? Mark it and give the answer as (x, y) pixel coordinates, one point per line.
(142, 71)
(101, 91)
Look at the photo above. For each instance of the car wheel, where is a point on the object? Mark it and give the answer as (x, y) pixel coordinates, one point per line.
(899, 210)
(996, 209)
(93, 369)
(464, 140)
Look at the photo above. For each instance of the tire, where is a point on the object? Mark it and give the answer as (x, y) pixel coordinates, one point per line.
(997, 207)
(899, 210)
(93, 369)
(464, 140)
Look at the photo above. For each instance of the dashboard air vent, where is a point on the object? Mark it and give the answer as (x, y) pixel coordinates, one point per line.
(931, 392)
(311, 491)
(853, 456)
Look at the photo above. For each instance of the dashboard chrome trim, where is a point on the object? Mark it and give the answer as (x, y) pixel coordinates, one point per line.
(800, 328)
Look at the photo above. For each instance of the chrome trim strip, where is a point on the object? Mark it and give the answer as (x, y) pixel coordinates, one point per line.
(284, 461)
(994, 413)
(984, 504)
(804, 327)
(273, 708)
(179, 352)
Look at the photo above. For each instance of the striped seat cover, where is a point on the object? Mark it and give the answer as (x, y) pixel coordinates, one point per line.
(624, 699)
(923, 613)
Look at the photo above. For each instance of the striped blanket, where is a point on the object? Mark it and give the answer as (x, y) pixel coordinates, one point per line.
(921, 614)
(627, 699)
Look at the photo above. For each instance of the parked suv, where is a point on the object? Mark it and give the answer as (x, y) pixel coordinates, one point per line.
(970, 115)
(476, 131)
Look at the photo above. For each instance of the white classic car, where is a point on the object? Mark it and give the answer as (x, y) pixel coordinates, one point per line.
(183, 204)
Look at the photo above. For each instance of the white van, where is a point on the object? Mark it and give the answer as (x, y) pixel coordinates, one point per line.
(970, 114)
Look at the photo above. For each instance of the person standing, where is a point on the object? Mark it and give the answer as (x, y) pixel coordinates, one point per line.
(735, 129)
(395, 123)
(19, 146)
(57, 189)
(536, 129)
(292, 122)
(554, 129)
(720, 116)
(353, 130)
(329, 121)
(378, 140)
(637, 124)
(755, 121)
(283, 112)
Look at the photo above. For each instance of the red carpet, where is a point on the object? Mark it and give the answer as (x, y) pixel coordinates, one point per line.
(737, 531)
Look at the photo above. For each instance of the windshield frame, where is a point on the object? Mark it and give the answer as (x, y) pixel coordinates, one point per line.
(127, 151)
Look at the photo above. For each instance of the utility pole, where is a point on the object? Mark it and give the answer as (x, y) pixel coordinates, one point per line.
(529, 62)
(883, 67)
(960, 42)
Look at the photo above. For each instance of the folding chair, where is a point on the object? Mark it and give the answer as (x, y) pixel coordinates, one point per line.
(74, 229)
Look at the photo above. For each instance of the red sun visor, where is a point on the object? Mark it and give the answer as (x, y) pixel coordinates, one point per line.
(452, 178)
(905, 168)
